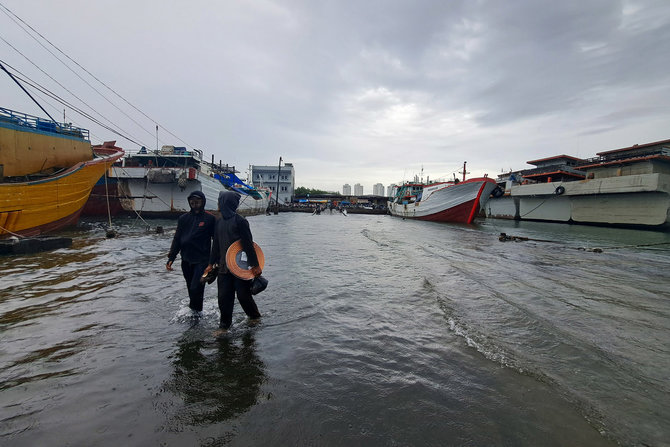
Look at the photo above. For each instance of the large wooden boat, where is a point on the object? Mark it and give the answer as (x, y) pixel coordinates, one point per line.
(47, 171)
(452, 201)
(158, 183)
(621, 187)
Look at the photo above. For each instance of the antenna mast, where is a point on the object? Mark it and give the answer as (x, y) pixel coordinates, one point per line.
(464, 171)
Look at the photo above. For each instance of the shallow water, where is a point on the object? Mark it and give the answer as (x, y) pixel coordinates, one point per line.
(375, 331)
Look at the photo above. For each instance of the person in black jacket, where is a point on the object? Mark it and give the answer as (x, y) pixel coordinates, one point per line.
(229, 229)
(193, 239)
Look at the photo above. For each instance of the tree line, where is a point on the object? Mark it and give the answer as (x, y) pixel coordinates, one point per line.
(302, 191)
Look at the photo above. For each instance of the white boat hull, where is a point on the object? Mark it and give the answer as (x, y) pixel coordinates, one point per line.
(459, 202)
(138, 194)
(631, 200)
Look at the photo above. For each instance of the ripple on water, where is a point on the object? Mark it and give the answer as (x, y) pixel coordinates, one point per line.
(375, 331)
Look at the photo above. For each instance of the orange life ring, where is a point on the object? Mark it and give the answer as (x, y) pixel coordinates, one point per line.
(239, 267)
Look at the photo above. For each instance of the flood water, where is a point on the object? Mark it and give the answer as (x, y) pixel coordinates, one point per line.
(376, 331)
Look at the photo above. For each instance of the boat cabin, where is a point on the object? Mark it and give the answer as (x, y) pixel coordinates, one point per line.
(408, 193)
(167, 157)
(559, 168)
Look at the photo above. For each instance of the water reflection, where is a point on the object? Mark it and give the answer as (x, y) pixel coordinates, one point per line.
(217, 379)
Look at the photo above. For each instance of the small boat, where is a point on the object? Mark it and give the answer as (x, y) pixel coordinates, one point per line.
(627, 187)
(158, 183)
(451, 201)
(47, 171)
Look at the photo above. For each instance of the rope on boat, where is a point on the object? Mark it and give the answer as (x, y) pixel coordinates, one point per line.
(12, 233)
(559, 190)
(144, 195)
(111, 233)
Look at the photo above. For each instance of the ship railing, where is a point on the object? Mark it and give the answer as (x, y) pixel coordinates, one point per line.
(41, 124)
(195, 153)
(552, 168)
(627, 155)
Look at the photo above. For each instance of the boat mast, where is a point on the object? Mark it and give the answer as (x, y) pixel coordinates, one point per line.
(464, 172)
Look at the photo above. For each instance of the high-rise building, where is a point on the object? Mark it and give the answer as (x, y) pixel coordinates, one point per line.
(346, 189)
(378, 189)
(358, 189)
(389, 190)
(266, 176)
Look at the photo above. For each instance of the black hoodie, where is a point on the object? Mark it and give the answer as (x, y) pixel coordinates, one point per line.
(230, 228)
(194, 235)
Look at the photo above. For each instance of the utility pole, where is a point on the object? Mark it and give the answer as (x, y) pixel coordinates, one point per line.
(277, 191)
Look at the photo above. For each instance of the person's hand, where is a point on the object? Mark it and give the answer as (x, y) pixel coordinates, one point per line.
(207, 269)
(256, 270)
(168, 266)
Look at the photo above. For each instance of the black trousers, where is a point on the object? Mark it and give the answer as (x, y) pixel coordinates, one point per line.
(228, 286)
(196, 291)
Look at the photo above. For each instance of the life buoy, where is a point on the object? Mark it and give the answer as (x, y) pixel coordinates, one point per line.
(559, 190)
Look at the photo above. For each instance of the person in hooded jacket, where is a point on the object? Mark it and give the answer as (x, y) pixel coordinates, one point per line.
(193, 239)
(229, 229)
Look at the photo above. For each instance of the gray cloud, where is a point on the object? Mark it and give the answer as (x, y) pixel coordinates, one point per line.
(365, 92)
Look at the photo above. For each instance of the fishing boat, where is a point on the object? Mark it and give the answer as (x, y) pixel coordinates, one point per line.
(627, 187)
(47, 171)
(158, 183)
(450, 201)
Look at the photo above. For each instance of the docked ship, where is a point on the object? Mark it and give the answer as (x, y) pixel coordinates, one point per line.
(47, 172)
(158, 183)
(451, 201)
(628, 187)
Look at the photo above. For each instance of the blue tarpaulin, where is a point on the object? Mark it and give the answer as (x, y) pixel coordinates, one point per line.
(231, 180)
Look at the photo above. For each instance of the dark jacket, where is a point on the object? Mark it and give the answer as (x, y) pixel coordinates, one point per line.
(194, 235)
(230, 228)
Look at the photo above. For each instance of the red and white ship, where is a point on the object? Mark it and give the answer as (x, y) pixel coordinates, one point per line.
(452, 201)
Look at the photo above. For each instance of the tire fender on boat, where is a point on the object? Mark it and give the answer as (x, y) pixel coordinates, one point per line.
(559, 190)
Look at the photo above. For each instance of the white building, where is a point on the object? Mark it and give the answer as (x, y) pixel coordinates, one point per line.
(378, 189)
(358, 189)
(346, 189)
(266, 176)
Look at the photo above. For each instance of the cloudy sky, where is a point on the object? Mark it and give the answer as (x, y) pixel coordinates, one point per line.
(364, 91)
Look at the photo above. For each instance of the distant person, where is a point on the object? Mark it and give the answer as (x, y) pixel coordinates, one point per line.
(193, 239)
(229, 229)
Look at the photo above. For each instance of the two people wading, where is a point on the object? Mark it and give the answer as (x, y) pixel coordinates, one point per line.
(230, 228)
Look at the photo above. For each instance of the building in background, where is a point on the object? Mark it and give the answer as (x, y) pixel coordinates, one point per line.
(346, 189)
(389, 190)
(266, 176)
(358, 189)
(378, 189)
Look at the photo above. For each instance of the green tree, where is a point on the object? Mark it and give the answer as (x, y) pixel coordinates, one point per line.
(303, 191)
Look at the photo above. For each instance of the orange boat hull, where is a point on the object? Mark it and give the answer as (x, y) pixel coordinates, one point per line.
(40, 206)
